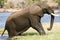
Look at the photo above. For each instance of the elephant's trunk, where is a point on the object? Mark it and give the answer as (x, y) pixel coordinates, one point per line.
(51, 23)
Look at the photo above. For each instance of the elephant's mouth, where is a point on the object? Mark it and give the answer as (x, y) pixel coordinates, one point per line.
(54, 14)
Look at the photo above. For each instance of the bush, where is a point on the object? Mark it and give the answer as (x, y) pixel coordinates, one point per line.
(2, 3)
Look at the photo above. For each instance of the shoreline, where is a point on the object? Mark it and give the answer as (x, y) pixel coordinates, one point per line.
(9, 10)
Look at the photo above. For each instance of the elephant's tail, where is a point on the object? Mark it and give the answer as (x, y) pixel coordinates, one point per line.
(3, 32)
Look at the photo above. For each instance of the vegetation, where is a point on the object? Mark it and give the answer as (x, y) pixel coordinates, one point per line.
(58, 1)
(35, 0)
(2, 3)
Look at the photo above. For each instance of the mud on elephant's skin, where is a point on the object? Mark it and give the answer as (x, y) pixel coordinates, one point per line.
(30, 16)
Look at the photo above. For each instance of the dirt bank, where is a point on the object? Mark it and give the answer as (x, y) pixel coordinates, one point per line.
(9, 10)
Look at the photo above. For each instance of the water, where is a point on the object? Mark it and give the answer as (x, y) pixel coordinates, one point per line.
(3, 18)
(46, 18)
(5, 37)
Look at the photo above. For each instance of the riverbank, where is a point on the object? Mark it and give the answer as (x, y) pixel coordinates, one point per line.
(8, 10)
(13, 10)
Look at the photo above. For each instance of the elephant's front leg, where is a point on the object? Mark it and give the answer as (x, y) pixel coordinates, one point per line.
(38, 26)
(41, 29)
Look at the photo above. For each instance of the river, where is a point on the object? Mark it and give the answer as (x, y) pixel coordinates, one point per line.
(5, 15)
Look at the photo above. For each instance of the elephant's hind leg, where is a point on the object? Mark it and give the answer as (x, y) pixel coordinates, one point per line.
(23, 30)
(11, 29)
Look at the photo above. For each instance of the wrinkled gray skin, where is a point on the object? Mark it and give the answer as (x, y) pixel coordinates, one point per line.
(20, 21)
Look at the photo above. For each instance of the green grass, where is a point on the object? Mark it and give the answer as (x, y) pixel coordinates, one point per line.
(32, 34)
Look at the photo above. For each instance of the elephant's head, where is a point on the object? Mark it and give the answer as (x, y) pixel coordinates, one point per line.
(49, 11)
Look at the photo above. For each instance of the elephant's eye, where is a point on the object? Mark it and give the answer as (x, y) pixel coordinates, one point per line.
(45, 10)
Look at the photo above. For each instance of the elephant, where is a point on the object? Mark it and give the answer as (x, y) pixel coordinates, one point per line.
(30, 16)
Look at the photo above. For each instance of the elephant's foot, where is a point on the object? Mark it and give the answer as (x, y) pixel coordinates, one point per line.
(19, 34)
(12, 34)
(48, 29)
(42, 32)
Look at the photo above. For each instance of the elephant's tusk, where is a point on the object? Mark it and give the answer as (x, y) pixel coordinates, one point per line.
(54, 14)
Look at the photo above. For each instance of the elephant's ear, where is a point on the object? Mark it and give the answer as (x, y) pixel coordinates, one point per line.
(41, 13)
(44, 10)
